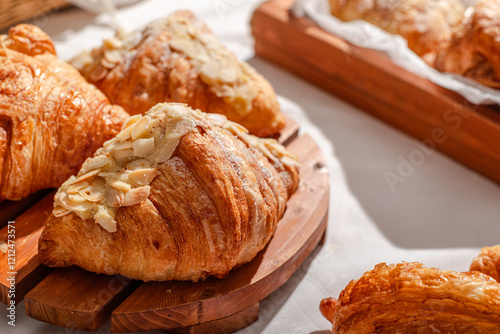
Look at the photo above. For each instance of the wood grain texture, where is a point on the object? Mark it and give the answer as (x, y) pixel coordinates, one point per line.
(169, 305)
(77, 299)
(18, 10)
(9, 210)
(440, 118)
(225, 325)
(29, 269)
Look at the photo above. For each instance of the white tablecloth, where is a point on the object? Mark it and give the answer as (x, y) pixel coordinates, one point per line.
(440, 215)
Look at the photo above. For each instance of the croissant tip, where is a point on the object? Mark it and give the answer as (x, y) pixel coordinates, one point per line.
(327, 308)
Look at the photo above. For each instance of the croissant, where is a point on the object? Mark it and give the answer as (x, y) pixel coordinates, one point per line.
(488, 262)
(51, 119)
(426, 25)
(178, 59)
(178, 194)
(409, 298)
(474, 50)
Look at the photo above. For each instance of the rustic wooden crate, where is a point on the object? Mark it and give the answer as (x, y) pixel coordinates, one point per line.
(369, 80)
(14, 11)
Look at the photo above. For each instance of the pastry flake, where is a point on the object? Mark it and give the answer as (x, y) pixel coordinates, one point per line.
(488, 262)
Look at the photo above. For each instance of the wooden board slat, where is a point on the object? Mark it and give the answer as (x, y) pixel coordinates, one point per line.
(9, 210)
(225, 325)
(77, 299)
(369, 80)
(62, 298)
(170, 305)
(29, 270)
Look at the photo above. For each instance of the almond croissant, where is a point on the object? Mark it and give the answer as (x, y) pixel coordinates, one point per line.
(178, 59)
(178, 194)
(408, 298)
(51, 119)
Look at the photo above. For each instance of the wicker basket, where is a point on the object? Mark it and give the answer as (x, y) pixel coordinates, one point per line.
(14, 11)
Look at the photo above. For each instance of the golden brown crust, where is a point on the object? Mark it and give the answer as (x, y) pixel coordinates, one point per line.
(151, 70)
(488, 262)
(214, 205)
(474, 51)
(51, 119)
(409, 298)
(427, 25)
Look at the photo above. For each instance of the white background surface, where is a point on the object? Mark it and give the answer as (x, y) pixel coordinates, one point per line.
(440, 215)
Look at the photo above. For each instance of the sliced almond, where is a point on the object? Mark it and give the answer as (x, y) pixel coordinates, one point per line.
(98, 73)
(136, 196)
(143, 176)
(124, 134)
(132, 120)
(123, 154)
(144, 147)
(106, 64)
(106, 221)
(112, 43)
(122, 146)
(167, 150)
(141, 127)
(59, 211)
(114, 197)
(120, 185)
(82, 60)
(94, 192)
(76, 198)
(65, 202)
(113, 56)
(85, 176)
(95, 163)
(73, 189)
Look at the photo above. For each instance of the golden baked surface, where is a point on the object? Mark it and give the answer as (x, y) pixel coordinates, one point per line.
(209, 202)
(426, 24)
(488, 262)
(178, 59)
(475, 48)
(409, 298)
(51, 119)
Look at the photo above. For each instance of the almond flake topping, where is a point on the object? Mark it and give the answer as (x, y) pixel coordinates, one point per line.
(120, 173)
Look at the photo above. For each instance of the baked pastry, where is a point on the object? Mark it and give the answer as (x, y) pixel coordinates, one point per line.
(474, 50)
(51, 119)
(178, 59)
(178, 194)
(488, 262)
(426, 24)
(409, 298)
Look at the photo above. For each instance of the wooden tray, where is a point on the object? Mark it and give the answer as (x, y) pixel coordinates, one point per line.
(14, 11)
(369, 80)
(76, 299)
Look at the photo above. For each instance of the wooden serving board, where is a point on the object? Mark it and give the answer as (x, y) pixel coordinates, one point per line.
(368, 79)
(80, 300)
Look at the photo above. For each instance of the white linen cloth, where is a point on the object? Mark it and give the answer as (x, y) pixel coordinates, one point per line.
(440, 215)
